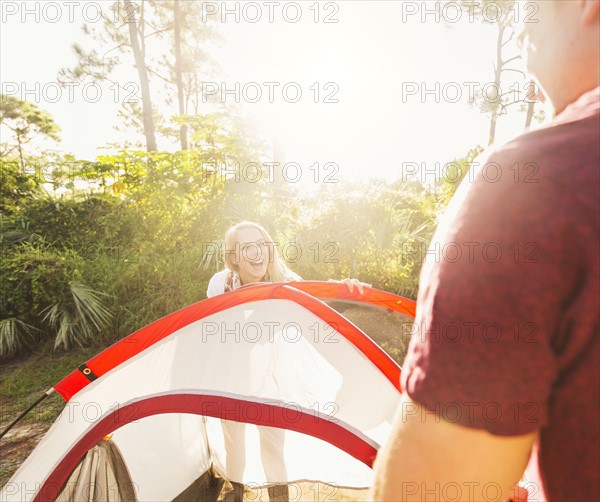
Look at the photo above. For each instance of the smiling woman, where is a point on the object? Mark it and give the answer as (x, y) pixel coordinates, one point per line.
(250, 256)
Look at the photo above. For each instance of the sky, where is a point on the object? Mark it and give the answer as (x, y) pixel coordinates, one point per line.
(383, 85)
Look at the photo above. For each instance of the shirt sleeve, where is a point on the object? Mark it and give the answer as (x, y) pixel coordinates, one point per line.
(216, 285)
(491, 291)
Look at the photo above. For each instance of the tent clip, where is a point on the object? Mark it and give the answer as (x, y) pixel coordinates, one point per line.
(88, 373)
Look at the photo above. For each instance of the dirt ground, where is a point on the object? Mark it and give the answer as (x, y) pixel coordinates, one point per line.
(18, 443)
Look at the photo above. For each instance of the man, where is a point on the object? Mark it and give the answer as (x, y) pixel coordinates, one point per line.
(504, 367)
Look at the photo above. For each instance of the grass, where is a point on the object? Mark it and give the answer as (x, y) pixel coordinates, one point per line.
(22, 381)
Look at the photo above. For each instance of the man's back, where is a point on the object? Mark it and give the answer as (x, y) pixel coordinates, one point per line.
(506, 355)
(524, 299)
(569, 445)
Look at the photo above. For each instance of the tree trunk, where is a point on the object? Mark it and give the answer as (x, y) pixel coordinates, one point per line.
(531, 95)
(529, 118)
(149, 129)
(178, 73)
(497, 79)
(21, 157)
(493, 121)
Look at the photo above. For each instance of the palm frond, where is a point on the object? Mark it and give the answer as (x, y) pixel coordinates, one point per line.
(90, 305)
(14, 335)
(79, 318)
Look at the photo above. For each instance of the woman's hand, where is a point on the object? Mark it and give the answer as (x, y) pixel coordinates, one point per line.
(352, 283)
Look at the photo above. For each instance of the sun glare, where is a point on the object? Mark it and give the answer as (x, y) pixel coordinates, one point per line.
(365, 94)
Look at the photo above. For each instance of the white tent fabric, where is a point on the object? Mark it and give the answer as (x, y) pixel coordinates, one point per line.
(165, 406)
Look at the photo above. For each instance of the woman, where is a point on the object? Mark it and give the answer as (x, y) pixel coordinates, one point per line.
(250, 256)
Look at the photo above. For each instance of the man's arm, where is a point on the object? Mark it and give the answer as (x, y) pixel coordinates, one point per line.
(429, 458)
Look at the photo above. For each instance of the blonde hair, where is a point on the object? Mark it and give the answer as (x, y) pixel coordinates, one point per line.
(277, 270)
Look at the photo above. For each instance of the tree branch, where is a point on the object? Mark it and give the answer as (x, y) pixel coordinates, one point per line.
(7, 151)
(140, 31)
(509, 60)
(506, 21)
(506, 105)
(515, 70)
(114, 49)
(148, 23)
(512, 35)
(160, 76)
(157, 32)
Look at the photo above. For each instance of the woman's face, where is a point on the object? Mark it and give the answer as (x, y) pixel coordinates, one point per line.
(252, 255)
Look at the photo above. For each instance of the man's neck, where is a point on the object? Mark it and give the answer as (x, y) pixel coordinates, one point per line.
(561, 102)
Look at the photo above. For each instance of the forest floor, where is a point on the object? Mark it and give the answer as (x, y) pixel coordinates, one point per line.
(22, 381)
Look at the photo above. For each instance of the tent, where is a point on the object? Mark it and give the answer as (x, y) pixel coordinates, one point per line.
(271, 392)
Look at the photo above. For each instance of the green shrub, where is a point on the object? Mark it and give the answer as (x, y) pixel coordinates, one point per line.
(42, 295)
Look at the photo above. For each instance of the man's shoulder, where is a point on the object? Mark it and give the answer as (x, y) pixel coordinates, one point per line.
(529, 178)
(565, 150)
(560, 159)
(557, 162)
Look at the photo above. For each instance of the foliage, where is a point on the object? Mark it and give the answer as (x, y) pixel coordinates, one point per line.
(167, 51)
(25, 121)
(455, 172)
(81, 224)
(93, 250)
(508, 86)
(14, 335)
(40, 295)
(374, 233)
(77, 318)
(15, 186)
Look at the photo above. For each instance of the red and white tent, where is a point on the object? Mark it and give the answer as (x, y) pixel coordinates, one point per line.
(268, 391)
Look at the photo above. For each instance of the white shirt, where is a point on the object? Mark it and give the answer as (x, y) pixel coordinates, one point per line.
(216, 285)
